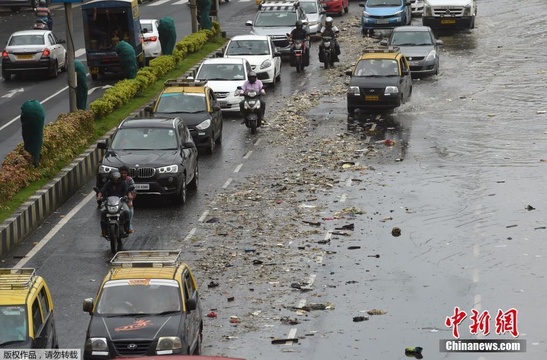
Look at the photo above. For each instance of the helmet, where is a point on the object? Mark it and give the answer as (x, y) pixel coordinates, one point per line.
(299, 24)
(42, 3)
(115, 176)
(328, 20)
(252, 77)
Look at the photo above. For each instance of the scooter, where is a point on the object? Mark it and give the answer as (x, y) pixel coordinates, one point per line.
(327, 54)
(113, 208)
(40, 24)
(251, 109)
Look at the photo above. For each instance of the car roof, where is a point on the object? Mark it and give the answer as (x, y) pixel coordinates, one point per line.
(187, 89)
(148, 264)
(149, 122)
(224, 61)
(31, 32)
(412, 28)
(16, 284)
(249, 37)
(389, 55)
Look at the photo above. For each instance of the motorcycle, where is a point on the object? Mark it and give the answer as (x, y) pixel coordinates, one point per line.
(251, 109)
(327, 54)
(299, 56)
(113, 208)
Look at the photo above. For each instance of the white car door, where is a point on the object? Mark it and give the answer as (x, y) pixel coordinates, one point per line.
(56, 49)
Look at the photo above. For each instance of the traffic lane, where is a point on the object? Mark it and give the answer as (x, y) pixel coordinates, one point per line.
(76, 258)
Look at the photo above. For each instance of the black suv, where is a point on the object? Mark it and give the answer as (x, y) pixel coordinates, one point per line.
(160, 153)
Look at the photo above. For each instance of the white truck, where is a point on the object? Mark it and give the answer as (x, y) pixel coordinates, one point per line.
(449, 14)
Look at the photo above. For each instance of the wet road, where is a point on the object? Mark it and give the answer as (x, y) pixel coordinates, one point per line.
(465, 166)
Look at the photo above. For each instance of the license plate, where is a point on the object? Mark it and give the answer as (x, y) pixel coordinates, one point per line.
(448, 21)
(25, 57)
(382, 21)
(94, 70)
(142, 186)
(223, 104)
(371, 98)
(414, 63)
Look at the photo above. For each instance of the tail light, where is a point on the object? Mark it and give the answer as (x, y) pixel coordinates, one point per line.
(153, 39)
(46, 53)
(5, 54)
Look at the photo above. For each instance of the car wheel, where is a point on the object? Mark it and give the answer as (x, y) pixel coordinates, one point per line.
(195, 181)
(181, 196)
(274, 82)
(219, 138)
(211, 146)
(6, 75)
(65, 65)
(55, 70)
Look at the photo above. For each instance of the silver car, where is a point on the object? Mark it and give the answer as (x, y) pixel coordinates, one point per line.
(419, 46)
(417, 7)
(316, 15)
(33, 51)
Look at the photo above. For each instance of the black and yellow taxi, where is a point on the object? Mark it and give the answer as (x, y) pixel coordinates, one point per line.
(381, 79)
(26, 311)
(148, 304)
(196, 104)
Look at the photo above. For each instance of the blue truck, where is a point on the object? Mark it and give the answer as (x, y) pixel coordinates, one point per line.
(106, 23)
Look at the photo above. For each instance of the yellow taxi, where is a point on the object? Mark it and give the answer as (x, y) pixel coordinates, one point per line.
(26, 311)
(148, 305)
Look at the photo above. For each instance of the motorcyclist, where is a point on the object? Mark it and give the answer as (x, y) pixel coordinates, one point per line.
(43, 12)
(299, 33)
(330, 30)
(114, 187)
(40, 24)
(253, 84)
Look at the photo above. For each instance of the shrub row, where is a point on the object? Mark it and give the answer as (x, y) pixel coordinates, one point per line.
(65, 138)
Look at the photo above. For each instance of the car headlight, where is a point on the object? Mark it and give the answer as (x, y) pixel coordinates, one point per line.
(391, 90)
(265, 64)
(204, 124)
(399, 13)
(353, 90)
(96, 344)
(168, 343)
(468, 10)
(103, 169)
(170, 169)
(366, 14)
(428, 10)
(431, 56)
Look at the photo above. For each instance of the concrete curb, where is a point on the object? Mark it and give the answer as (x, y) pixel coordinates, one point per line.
(29, 216)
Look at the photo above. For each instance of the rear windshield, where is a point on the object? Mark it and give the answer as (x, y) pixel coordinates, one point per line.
(26, 40)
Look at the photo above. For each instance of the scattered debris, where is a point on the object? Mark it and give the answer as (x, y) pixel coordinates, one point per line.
(212, 284)
(377, 256)
(360, 318)
(511, 226)
(212, 220)
(234, 319)
(396, 231)
(530, 208)
(346, 227)
(415, 352)
(289, 321)
(376, 312)
(353, 247)
(351, 282)
(314, 223)
(212, 314)
(231, 298)
(338, 232)
(284, 341)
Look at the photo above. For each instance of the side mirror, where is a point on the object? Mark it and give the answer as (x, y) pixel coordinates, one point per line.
(383, 42)
(61, 41)
(239, 88)
(362, 5)
(406, 72)
(249, 23)
(149, 109)
(88, 305)
(219, 54)
(277, 53)
(102, 145)
(348, 72)
(322, 12)
(189, 145)
(191, 304)
(439, 42)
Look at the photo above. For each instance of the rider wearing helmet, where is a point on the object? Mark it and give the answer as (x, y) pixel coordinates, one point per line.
(114, 187)
(42, 12)
(330, 30)
(254, 84)
(299, 33)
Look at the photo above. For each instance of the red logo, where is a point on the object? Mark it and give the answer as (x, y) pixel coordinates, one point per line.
(138, 324)
(480, 322)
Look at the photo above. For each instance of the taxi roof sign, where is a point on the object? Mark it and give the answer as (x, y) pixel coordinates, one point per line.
(184, 82)
(16, 278)
(146, 258)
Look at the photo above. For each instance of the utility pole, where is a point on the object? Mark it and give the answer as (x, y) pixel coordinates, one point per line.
(70, 58)
(194, 16)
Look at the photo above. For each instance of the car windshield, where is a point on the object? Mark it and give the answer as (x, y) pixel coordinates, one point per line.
(377, 67)
(248, 47)
(383, 3)
(13, 324)
(275, 19)
(26, 40)
(139, 296)
(181, 103)
(309, 7)
(221, 72)
(409, 38)
(144, 139)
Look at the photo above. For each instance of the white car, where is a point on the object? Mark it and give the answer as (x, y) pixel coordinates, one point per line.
(260, 52)
(33, 51)
(151, 38)
(417, 7)
(316, 15)
(224, 75)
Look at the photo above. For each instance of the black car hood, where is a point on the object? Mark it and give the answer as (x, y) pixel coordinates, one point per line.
(190, 119)
(134, 327)
(143, 158)
(374, 82)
